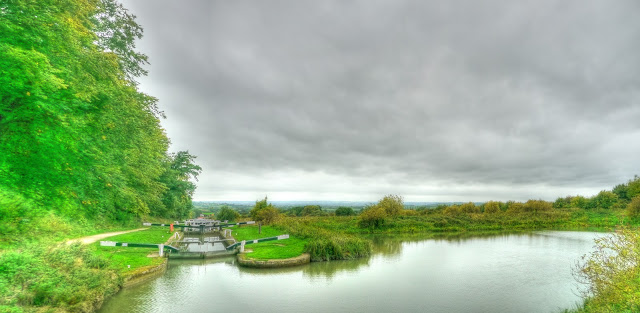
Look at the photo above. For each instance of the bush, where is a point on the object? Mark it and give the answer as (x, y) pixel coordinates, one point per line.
(537, 206)
(391, 204)
(68, 277)
(344, 211)
(372, 217)
(491, 207)
(337, 248)
(611, 273)
(452, 210)
(633, 208)
(264, 212)
(228, 214)
(469, 207)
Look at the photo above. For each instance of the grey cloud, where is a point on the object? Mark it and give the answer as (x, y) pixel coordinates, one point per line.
(416, 93)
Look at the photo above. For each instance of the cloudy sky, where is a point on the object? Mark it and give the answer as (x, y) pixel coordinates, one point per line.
(432, 100)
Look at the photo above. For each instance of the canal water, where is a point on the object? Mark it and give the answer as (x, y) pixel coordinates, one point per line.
(503, 273)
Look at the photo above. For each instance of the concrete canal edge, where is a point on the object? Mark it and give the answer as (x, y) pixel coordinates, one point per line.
(144, 273)
(243, 260)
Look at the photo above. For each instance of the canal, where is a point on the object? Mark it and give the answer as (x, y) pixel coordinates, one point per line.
(503, 273)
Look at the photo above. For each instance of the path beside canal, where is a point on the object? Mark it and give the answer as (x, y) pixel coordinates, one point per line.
(94, 238)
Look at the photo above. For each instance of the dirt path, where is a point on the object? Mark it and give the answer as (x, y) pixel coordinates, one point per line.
(94, 238)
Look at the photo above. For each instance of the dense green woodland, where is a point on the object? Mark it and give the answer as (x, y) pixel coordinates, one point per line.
(77, 137)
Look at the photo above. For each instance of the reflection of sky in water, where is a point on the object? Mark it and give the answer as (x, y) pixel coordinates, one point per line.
(505, 273)
(202, 244)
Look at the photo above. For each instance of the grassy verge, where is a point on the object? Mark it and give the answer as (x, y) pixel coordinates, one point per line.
(281, 249)
(126, 261)
(39, 272)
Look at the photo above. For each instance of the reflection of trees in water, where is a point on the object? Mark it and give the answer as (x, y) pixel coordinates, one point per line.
(331, 268)
(388, 246)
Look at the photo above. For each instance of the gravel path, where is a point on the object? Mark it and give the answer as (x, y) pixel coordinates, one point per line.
(94, 238)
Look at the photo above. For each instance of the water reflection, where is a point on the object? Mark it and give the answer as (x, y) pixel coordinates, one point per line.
(499, 273)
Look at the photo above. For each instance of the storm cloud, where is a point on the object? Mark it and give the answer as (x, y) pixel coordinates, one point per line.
(431, 100)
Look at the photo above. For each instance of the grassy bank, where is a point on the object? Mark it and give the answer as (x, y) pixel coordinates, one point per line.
(280, 249)
(39, 272)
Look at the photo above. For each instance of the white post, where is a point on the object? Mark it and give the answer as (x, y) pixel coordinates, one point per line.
(242, 246)
(161, 246)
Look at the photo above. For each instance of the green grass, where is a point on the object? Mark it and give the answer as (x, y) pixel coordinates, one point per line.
(280, 249)
(128, 260)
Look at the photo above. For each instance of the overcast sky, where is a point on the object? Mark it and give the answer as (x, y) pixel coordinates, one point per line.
(431, 100)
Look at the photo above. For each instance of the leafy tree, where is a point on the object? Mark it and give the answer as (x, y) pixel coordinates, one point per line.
(469, 207)
(75, 132)
(264, 212)
(633, 187)
(344, 211)
(633, 208)
(491, 207)
(537, 206)
(605, 199)
(452, 210)
(579, 202)
(374, 216)
(621, 191)
(228, 214)
(392, 204)
(561, 203)
(312, 210)
(180, 170)
(515, 207)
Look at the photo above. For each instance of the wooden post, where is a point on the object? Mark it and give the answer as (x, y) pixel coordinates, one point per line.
(259, 227)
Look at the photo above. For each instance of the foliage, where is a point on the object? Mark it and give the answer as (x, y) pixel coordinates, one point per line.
(264, 212)
(452, 210)
(611, 273)
(228, 214)
(469, 207)
(537, 206)
(180, 169)
(66, 277)
(392, 204)
(312, 210)
(338, 248)
(75, 133)
(579, 202)
(491, 207)
(605, 199)
(344, 211)
(633, 209)
(372, 217)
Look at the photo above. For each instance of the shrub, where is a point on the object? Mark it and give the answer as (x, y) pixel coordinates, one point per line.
(537, 206)
(515, 207)
(611, 273)
(372, 217)
(228, 214)
(491, 207)
(391, 204)
(344, 211)
(337, 248)
(264, 212)
(452, 210)
(633, 208)
(469, 207)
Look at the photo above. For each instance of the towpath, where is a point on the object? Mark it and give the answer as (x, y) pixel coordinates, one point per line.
(94, 238)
